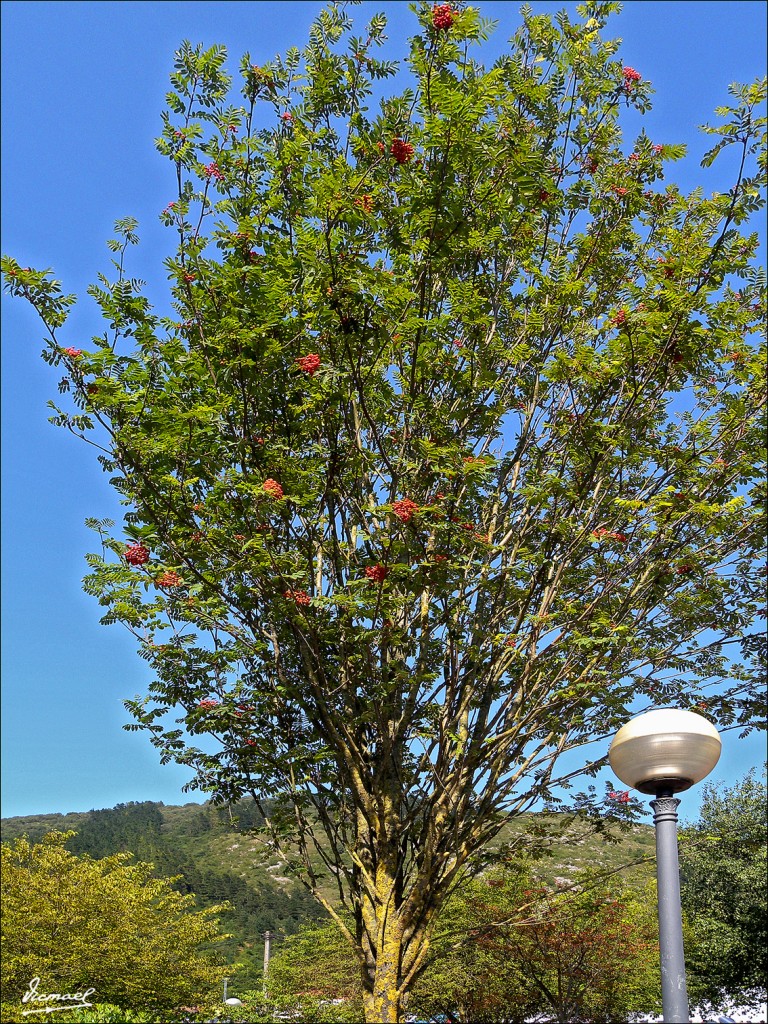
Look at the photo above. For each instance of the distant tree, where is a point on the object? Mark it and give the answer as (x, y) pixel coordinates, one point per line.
(78, 923)
(450, 455)
(467, 975)
(724, 875)
(586, 951)
(317, 961)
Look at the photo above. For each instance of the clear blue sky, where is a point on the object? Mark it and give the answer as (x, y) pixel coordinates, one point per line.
(83, 84)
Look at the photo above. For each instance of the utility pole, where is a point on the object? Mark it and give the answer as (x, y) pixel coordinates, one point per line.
(267, 939)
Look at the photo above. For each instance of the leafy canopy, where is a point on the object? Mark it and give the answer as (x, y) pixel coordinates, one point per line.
(449, 458)
(77, 923)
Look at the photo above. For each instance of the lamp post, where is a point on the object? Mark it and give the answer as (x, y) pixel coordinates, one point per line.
(662, 753)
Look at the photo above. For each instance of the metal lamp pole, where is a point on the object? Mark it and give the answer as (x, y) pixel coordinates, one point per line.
(662, 753)
(674, 993)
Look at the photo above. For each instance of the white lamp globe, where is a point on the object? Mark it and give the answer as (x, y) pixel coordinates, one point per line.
(665, 750)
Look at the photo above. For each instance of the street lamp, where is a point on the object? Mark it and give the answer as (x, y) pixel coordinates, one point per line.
(662, 753)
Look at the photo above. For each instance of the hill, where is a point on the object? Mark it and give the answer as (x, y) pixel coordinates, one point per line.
(219, 857)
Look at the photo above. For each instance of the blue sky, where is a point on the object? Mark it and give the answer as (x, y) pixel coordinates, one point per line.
(83, 84)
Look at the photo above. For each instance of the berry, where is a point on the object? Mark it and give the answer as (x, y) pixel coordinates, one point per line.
(630, 76)
(404, 509)
(377, 573)
(136, 554)
(442, 16)
(401, 151)
(213, 171)
(309, 363)
(207, 704)
(73, 353)
(298, 596)
(620, 318)
(169, 579)
(273, 488)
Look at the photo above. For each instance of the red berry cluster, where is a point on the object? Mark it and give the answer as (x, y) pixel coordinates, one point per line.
(443, 16)
(621, 798)
(168, 580)
(620, 318)
(207, 704)
(404, 509)
(136, 554)
(273, 488)
(213, 171)
(602, 534)
(298, 596)
(401, 151)
(287, 117)
(683, 569)
(309, 363)
(630, 76)
(365, 202)
(377, 573)
(73, 353)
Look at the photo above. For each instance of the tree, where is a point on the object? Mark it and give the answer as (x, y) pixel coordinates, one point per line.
(448, 460)
(587, 950)
(469, 975)
(316, 962)
(506, 948)
(723, 880)
(77, 923)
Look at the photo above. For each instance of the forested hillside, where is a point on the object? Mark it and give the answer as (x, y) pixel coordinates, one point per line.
(220, 858)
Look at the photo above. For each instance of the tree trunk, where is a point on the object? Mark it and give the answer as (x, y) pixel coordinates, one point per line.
(382, 996)
(383, 1005)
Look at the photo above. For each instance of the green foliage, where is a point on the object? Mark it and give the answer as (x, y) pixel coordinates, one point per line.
(723, 891)
(106, 925)
(451, 455)
(506, 947)
(317, 962)
(196, 846)
(104, 1013)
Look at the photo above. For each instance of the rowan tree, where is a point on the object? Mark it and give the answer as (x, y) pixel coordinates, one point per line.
(448, 460)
